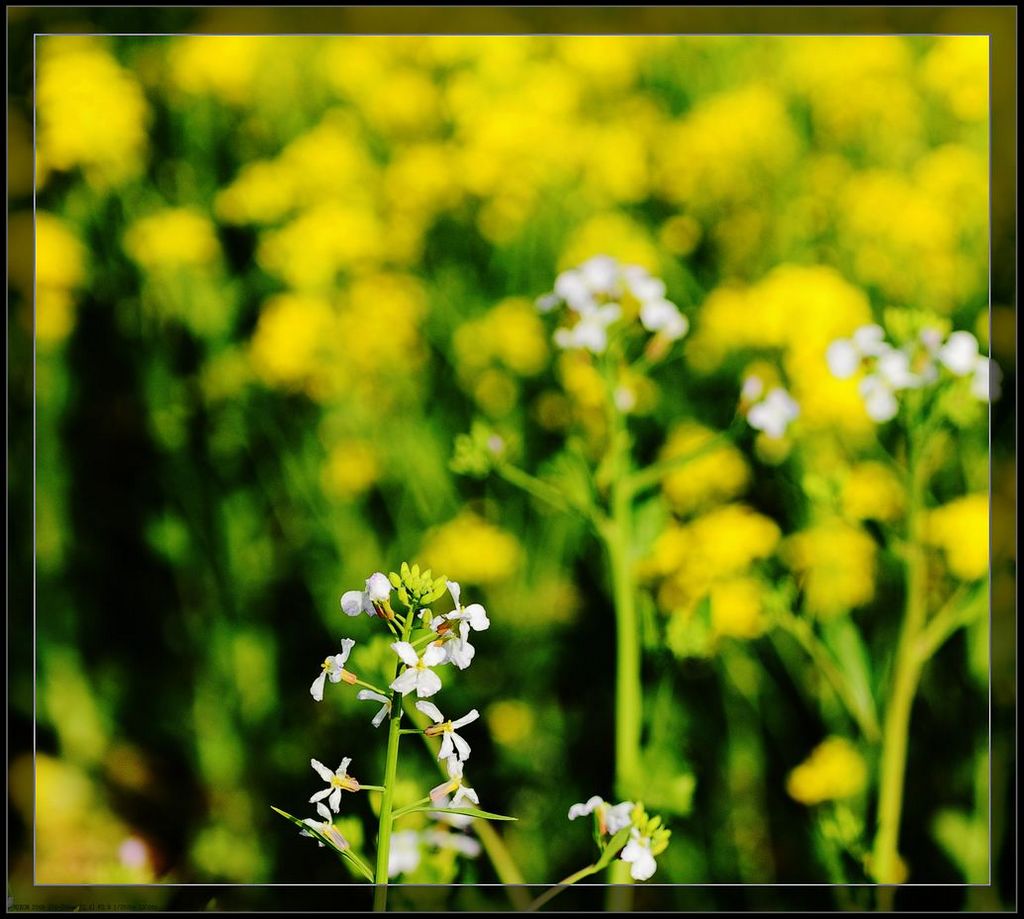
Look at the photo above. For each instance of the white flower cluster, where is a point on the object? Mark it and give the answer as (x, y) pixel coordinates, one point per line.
(890, 370)
(647, 837)
(770, 412)
(407, 846)
(594, 293)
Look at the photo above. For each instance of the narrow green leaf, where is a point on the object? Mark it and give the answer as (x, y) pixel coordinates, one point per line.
(465, 811)
(614, 847)
(346, 855)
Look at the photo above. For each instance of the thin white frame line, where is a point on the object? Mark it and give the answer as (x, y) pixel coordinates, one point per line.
(542, 35)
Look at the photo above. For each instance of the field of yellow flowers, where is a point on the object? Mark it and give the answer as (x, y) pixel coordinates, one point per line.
(290, 330)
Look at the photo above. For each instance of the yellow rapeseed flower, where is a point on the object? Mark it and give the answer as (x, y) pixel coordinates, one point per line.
(871, 491)
(290, 345)
(717, 475)
(834, 770)
(479, 551)
(350, 469)
(172, 238)
(60, 270)
(835, 563)
(961, 529)
(737, 609)
(224, 66)
(957, 68)
(91, 111)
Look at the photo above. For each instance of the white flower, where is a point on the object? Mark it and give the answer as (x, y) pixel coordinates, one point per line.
(446, 729)
(571, 287)
(587, 807)
(474, 614)
(773, 414)
(642, 285)
(365, 695)
(458, 650)
(418, 674)
(443, 839)
(403, 853)
(986, 379)
(879, 401)
(844, 355)
(324, 827)
(591, 331)
(610, 818)
(459, 821)
(601, 275)
(752, 389)
(333, 667)
(960, 353)
(454, 786)
(337, 782)
(870, 340)
(548, 302)
(663, 316)
(376, 595)
(843, 358)
(638, 853)
(894, 367)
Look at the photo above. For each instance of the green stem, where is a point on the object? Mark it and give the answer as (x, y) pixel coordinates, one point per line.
(363, 787)
(409, 808)
(906, 674)
(380, 893)
(560, 887)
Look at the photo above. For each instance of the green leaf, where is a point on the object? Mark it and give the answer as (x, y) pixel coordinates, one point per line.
(614, 847)
(465, 811)
(844, 640)
(346, 855)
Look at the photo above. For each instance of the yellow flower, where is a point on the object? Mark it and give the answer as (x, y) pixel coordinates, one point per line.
(172, 238)
(736, 608)
(836, 566)
(60, 264)
(224, 66)
(835, 769)
(511, 722)
(291, 341)
(957, 67)
(871, 491)
(960, 528)
(60, 256)
(511, 334)
(472, 548)
(718, 475)
(350, 469)
(91, 111)
(611, 234)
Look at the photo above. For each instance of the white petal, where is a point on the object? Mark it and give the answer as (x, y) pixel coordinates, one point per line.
(427, 684)
(464, 792)
(843, 358)
(454, 766)
(317, 689)
(336, 668)
(381, 715)
(881, 404)
(439, 792)
(600, 273)
(406, 652)
(960, 353)
(405, 682)
(335, 800)
(581, 810)
(321, 770)
(468, 718)
(619, 817)
(343, 768)
(456, 591)
(346, 649)
(640, 858)
(352, 602)
(870, 340)
(378, 587)
(322, 810)
(477, 617)
(461, 745)
(460, 652)
(446, 746)
(320, 795)
(431, 711)
(433, 655)
(365, 695)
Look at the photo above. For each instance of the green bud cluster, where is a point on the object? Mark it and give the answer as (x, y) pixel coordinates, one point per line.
(651, 827)
(416, 588)
(477, 452)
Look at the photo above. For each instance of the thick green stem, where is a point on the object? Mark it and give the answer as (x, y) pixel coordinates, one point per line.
(380, 893)
(906, 674)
